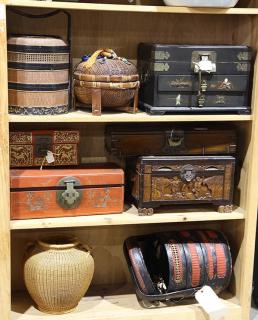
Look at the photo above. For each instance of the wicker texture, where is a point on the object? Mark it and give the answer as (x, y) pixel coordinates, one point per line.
(110, 67)
(57, 273)
(34, 99)
(36, 41)
(109, 98)
(38, 57)
(37, 77)
(36, 67)
(114, 76)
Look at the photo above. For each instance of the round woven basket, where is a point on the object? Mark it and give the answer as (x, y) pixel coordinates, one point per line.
(57, 273)
(115, 78)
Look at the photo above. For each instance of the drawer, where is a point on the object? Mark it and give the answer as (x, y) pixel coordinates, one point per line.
(213, 83)
(211, 100)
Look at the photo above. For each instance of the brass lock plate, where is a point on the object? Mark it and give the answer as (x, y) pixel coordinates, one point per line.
(188, 173)
(199, 56)
(175, 140)
(70, 196)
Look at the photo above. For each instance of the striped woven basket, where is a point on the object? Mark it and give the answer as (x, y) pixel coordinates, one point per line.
(106, 80)
(38, 71)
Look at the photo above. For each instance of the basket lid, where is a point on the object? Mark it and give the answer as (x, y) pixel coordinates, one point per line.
(34, 40)
(106, 68)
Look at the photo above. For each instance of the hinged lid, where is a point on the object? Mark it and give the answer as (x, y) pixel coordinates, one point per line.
(183, 164)
(97, 175)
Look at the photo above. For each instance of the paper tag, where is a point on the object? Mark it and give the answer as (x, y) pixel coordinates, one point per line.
(2, 12)
(50, 157)
(211, 303)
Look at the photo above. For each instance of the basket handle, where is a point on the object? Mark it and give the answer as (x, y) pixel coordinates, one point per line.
(105, 52)
(47, 15)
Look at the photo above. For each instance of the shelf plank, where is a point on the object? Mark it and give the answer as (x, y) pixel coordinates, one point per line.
(130, 216)
(86, 116)
(130, 8)
(121, 306)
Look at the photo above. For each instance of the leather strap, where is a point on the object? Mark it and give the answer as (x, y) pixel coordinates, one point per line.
(194, 258)
(139, 266)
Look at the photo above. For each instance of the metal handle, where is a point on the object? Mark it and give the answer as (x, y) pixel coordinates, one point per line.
(174, 141)
(47, 15)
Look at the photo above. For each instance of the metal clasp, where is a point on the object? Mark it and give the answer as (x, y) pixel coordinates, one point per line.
(175, 140)
(188, 173)
(202, 62)
(70, 195)
(70, 198)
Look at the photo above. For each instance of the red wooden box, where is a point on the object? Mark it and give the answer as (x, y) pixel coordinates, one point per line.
(29, 148)
(66, 192)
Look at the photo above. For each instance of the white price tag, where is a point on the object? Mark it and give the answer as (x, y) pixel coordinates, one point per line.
(205, 65)
(50, 157)
(2, 12)
(211, 303)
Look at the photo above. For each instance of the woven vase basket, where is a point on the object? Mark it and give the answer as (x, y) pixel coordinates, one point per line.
(106, 80)
(57, 273)
(38, 72)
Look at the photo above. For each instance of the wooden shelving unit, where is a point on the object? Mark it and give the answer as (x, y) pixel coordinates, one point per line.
(84, 116)
(129, 217)
(130, 8)
(122, 27)
(123, 306)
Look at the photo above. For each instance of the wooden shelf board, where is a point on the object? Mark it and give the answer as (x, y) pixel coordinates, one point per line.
(130, 8)
(85, 116)
(120, 303)
(130, 216)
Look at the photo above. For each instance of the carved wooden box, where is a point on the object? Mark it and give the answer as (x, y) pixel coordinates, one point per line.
(30, 148)
(167, 180)
(49, 193)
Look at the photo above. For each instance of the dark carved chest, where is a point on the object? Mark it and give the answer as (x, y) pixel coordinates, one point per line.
(194, 79)
(149, 140)
(167, 180)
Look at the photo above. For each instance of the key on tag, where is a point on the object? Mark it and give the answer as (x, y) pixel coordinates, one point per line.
(211, 303)
(50, 157)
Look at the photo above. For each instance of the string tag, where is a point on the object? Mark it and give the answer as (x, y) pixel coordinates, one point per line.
(211, 303)
(50, 157)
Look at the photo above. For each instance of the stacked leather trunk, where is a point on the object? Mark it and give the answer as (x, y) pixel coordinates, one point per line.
(176, 264)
